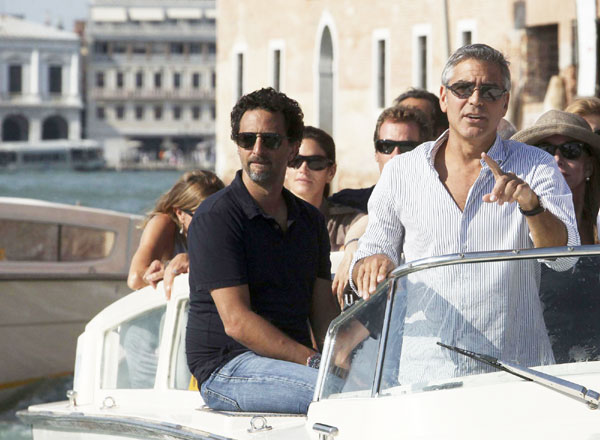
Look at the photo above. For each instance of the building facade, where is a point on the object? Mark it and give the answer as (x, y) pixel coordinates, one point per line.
(40, 100)
(346, 60)
(151, 80)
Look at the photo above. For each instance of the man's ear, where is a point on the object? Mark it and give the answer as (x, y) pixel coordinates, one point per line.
(294, 149)
(443, 97)
(506, 100)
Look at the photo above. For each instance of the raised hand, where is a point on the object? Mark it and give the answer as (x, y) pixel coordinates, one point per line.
(509, 188)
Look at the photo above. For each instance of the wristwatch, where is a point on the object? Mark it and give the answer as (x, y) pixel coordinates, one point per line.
(535, 211)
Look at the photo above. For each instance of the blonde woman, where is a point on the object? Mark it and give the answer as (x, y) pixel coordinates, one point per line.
(162, 252)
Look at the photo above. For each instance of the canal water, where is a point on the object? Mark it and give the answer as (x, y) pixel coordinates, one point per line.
(127, 191)
(133, 192)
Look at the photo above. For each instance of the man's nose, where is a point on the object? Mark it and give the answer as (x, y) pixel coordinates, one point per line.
(475, 97)
(258, 146)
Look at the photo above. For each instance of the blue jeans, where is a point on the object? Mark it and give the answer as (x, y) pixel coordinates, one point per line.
(250, 382)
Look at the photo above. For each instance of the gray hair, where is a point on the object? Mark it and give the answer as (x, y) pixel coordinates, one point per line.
(481, 52)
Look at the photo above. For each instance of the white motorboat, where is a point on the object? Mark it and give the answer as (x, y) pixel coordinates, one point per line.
(59, 266)
(81, 155)
(131, 377)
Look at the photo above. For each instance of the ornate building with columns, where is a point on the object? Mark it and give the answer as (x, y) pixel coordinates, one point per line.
(40, 101)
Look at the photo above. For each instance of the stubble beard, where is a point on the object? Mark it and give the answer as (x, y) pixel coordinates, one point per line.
(259, 177)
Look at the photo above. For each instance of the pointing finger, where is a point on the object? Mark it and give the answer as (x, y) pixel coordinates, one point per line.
(496, 170)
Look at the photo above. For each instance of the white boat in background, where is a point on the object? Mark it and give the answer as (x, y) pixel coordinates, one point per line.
(80, 155)
(132, 381)
(59, 266)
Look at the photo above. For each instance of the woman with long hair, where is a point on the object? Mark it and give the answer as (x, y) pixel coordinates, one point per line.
(162, 252)
(309, 176)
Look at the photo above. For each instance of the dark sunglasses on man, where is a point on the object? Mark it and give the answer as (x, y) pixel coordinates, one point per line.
(569, 150)
(246, 140)
(487, 92)
(315, 163)
(387, 147)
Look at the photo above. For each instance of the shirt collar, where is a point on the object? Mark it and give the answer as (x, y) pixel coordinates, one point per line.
(498, 151)
(251, 208)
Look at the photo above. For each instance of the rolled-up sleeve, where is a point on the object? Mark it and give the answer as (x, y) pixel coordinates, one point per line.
(551, 187)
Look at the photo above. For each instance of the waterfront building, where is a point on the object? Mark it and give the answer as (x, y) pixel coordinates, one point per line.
(346, 60)
(40, 101)
(151, 80)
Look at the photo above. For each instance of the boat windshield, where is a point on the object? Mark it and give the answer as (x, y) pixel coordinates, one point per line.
(530, 311)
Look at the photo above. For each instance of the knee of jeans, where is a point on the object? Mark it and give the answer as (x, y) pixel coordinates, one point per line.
(218, 401)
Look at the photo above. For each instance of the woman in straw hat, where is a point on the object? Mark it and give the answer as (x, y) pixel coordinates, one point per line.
(569, 308)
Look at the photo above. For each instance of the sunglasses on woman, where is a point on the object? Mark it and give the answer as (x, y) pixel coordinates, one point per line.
(315, 163)
(487, 92)
(271, 141)
(387, 147)
(569, 150)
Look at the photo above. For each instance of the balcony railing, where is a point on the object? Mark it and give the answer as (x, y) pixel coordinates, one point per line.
(152, 95)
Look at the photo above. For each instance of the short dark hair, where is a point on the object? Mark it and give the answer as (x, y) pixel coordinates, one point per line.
(275, 102)
(322, 138)
(481, 52)
(439, 118)
(398, 114)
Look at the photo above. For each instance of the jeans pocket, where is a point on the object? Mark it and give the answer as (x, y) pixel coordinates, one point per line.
(216, 400)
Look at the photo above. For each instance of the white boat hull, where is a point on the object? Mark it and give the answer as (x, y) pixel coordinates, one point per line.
(59, 266)
(41, 320)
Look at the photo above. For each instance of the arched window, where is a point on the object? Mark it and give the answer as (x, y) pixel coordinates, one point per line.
(55, 127)
(15, 128)
(326, 82)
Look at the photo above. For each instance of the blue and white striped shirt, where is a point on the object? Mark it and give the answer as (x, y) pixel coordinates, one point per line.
(412, 213)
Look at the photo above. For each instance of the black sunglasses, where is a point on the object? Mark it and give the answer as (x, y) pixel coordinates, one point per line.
(569, 150)
(487, 92)
(271, 141)
(189, 212)
(315, 163)
(387, 147)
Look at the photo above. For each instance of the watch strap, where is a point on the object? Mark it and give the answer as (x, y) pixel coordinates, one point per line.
(532, 212)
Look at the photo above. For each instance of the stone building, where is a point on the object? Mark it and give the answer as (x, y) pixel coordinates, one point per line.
(346, 60)
(151, 80)
(39, 91)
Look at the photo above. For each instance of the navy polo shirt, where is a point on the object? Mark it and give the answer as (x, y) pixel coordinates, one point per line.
(231, 242)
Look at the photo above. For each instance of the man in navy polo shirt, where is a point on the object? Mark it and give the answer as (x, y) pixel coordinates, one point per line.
(259, 272)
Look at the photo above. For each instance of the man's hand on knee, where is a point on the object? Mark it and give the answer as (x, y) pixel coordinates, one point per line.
(370, 271)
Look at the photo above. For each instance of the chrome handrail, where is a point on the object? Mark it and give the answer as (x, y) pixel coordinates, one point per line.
(477, 257)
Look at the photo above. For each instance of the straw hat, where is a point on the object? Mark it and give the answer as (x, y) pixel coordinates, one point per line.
(558, 122)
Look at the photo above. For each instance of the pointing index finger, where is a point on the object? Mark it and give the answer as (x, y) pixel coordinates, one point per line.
(496, 170)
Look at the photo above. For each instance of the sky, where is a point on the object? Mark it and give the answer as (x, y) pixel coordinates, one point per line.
(65, 11)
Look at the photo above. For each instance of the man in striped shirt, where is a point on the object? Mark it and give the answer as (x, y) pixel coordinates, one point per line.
(471, 191)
